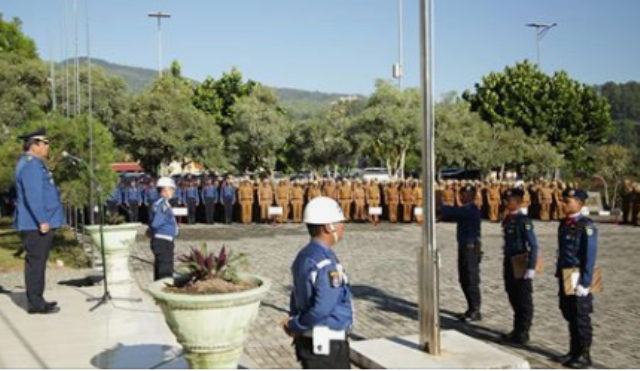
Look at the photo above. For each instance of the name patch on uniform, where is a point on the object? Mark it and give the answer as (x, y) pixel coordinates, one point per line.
(334, 278)
(589, 231)
(527, 226)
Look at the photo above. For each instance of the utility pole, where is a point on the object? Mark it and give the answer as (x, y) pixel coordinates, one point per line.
(541, 31)
(429, 256)
(159, 16)
(90, 118)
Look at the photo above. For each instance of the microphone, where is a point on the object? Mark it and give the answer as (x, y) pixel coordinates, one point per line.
(71, 157)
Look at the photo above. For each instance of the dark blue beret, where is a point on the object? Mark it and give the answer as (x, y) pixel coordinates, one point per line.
(575, 193)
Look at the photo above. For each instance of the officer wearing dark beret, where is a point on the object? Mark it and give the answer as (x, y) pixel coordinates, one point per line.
(468, 220)
(38, 213)
(519, 241)
(578, 247)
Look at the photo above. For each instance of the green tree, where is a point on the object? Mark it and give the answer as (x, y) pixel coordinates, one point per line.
(218, 97)
(555, 108)
(14, 41)
(260, 130)
(612, 163)
(163, 126)
(389, 126)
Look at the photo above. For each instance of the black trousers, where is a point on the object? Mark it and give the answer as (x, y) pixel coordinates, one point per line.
(112, 206)
(37, 247)
(228, 211)
(338, 357)
(469, 258)
(163, 262)
(209, 210)
(191, 209)
(577, 312)
(133, 210)
(520, 293)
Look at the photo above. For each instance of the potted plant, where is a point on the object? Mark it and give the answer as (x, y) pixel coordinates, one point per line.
(210, 306)
(119, 237)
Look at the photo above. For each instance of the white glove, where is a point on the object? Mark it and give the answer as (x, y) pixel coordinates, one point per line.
(582, 291)
(530, 274)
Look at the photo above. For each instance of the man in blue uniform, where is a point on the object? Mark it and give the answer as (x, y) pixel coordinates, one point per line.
(38, 214)
(228, 195)
(133, 200)
(578, 247)
(519, 241)
(150, 196)
(210, 197)
(321, 309)
(193, 201)
(468, 234)
(163, 230)
(115, 199)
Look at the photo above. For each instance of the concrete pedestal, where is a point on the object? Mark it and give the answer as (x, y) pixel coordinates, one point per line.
(458, 352)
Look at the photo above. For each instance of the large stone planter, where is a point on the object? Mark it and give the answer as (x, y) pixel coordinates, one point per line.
(211, 328)
(118, 241)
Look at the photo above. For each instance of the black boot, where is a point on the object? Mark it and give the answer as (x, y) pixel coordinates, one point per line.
(583, 360)
(565, 358)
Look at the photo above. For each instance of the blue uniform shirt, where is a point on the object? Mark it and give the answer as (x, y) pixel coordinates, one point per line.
(468, 220)
(321, 294)
(132, 195)
(163, 222)
(192, 192)
(519, 238)
(37, 197)
(229, 193)
(577, 247)
(116, 195)
(210, 191)
(150, 195)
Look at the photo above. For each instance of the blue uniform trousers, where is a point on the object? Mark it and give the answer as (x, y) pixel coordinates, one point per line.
(577, 312)
(37, 247)
(469, 258)
(163, 262)
(520, 293)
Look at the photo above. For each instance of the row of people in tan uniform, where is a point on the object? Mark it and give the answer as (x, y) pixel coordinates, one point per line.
(542, 198)
(630, 195)
(356, 198)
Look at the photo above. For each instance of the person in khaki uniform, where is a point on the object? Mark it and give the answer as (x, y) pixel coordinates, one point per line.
(245, 194)
(493, 199)
(407, 200)
(418, 200)
(545, 197)
(373, 198)
(627, 200)
(635, 207)
(345, 197)
(330, 189)
(360, 198)
(283, 199)
(265, 200)
(297, 200)
(392, 197)
(526, 198)
(313, 191)
(448, 194)
(478, 201)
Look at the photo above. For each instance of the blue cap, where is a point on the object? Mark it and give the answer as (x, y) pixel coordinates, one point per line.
(575, 193)
(40, 134)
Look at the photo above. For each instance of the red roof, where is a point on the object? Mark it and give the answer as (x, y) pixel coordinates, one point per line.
(126, 167)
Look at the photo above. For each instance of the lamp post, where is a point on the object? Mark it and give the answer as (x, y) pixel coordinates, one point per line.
(541, 31)
(159, 16)
(398, 68)
(429, 256)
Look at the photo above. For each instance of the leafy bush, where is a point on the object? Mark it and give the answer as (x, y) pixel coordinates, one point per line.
(202, 265)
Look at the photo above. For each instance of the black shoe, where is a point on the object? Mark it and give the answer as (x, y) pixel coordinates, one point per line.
(508, 337)
(45, 310)
(562, 359)
(471, 317)
(51, 304)
(581, 361)
(519, 339)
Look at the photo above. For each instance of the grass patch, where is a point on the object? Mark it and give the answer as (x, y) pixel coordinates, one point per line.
(65, 248)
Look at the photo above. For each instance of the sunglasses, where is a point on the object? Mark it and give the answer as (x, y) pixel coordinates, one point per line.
(46, 142)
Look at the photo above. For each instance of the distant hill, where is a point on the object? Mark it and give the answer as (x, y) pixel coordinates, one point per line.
(299, 103)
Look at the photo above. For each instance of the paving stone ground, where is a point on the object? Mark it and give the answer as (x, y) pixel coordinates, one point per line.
(382, 266)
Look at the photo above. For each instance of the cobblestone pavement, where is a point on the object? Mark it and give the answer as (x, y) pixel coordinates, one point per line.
(382, 267)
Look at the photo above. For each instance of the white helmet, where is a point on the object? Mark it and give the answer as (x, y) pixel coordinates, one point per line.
(323, 211)
(166, 182)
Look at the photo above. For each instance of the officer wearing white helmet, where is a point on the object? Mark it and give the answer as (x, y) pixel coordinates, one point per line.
(321, 311)
(163, 230)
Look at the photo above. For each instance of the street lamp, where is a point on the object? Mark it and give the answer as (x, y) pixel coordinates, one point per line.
(541, 31)
(398, 68)
(159, 16)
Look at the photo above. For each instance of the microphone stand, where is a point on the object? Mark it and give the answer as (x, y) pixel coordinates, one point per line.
(106, 296)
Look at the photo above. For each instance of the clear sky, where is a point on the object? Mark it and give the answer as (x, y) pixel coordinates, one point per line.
(344, 45)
